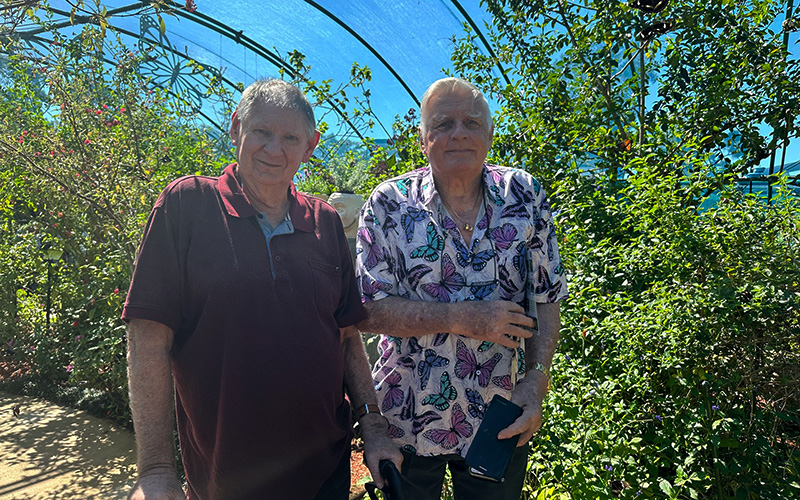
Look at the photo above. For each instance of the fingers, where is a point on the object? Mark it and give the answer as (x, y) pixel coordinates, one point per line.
(505, 340)
(374, 470)
(519, 426)
(524, 427)
(384, 451)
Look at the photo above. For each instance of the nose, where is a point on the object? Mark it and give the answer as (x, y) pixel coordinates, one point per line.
(459, 130)
(272, 145)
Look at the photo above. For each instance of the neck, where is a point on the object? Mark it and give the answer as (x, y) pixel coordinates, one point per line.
(460, 194)
(273, 202)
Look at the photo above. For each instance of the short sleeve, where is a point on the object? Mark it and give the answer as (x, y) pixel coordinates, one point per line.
(155, 288)
(374, 258)
(548, 277)
(350, 309)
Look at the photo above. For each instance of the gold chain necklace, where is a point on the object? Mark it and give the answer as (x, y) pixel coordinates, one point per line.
(467, 225)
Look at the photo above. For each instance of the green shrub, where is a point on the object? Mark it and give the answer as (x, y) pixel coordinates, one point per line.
(679, 373)
(85, 148)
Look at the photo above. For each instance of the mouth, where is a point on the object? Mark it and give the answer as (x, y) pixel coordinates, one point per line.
(268, 165)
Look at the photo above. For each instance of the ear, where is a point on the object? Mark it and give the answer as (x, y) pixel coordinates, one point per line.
(422, 145)
(310, 145)
(235, 131)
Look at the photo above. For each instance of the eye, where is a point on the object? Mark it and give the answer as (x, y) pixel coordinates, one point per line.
(291, 138)
(473, 124)
(444, 125)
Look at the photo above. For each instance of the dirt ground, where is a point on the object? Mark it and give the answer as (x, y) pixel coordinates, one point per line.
(51, 452)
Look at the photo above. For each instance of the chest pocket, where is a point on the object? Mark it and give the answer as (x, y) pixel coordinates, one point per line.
(327, 286)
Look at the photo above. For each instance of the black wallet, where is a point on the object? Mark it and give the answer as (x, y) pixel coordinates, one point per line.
(488, 457)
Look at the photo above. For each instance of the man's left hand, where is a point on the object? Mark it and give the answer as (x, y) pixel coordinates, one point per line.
(378, 446)
(528, 394)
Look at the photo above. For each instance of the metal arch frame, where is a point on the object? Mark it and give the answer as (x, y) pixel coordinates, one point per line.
(488, 47)
(42, 40)
(275, 59)
(211, 24)
(383, 61)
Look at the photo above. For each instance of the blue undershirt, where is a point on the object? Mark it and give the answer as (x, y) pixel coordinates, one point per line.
(285, 227)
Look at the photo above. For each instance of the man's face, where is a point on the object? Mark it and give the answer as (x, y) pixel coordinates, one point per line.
(271, 145)
(456, 137)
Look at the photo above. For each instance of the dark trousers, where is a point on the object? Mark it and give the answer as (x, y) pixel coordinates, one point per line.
(337, 486)
(423, 478)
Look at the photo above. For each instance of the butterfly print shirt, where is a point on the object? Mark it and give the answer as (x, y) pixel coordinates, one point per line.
(434, 389)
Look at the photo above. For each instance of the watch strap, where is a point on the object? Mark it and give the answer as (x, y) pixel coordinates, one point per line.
(363, 410)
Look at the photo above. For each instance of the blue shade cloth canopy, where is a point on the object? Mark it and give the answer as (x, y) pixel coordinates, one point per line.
(406, 44)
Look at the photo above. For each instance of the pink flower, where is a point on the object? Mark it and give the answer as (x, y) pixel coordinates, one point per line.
(78, 337)
(86, 141)
(70, 367)
(116, 291)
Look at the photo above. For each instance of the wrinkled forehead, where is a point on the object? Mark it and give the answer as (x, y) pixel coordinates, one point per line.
(263, 114)
(452, 102)
(458, 101)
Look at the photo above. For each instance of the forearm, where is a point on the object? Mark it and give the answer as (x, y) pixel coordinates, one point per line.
(540, 348)
(357, 377)
(401, 317)
(358, 380)
(151, 395)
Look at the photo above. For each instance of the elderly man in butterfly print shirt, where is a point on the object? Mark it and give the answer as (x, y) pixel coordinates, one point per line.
(455, 262)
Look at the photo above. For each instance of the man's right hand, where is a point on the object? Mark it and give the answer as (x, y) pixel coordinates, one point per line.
(157, 486)
(499, 321)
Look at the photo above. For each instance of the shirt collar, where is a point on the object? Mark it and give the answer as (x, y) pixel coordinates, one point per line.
(237, 204)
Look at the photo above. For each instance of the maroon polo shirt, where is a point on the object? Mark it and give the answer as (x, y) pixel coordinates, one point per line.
(257, 359)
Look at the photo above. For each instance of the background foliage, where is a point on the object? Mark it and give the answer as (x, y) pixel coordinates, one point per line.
(86, 148)
(680, 364)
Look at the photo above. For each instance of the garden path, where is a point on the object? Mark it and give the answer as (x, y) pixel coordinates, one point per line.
(52, 452)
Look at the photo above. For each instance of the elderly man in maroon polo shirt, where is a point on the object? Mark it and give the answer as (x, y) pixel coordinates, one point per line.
(244, 296)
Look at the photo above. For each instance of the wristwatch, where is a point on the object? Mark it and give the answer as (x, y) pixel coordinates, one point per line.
(539, 367)
(365, 409)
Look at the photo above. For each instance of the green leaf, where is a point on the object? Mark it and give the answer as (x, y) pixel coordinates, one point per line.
(666, 487)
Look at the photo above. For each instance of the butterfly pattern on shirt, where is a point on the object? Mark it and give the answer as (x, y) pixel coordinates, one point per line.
(435, 388)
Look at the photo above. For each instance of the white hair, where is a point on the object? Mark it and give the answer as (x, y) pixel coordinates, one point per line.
(277, 93)
(451, 86)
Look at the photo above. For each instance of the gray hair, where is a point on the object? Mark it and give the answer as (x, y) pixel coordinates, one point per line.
(453, 85)
(277, 93)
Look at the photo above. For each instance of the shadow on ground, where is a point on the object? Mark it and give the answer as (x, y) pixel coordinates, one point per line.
(51, 452)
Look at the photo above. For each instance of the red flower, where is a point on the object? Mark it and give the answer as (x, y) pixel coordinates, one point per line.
(116, 291)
